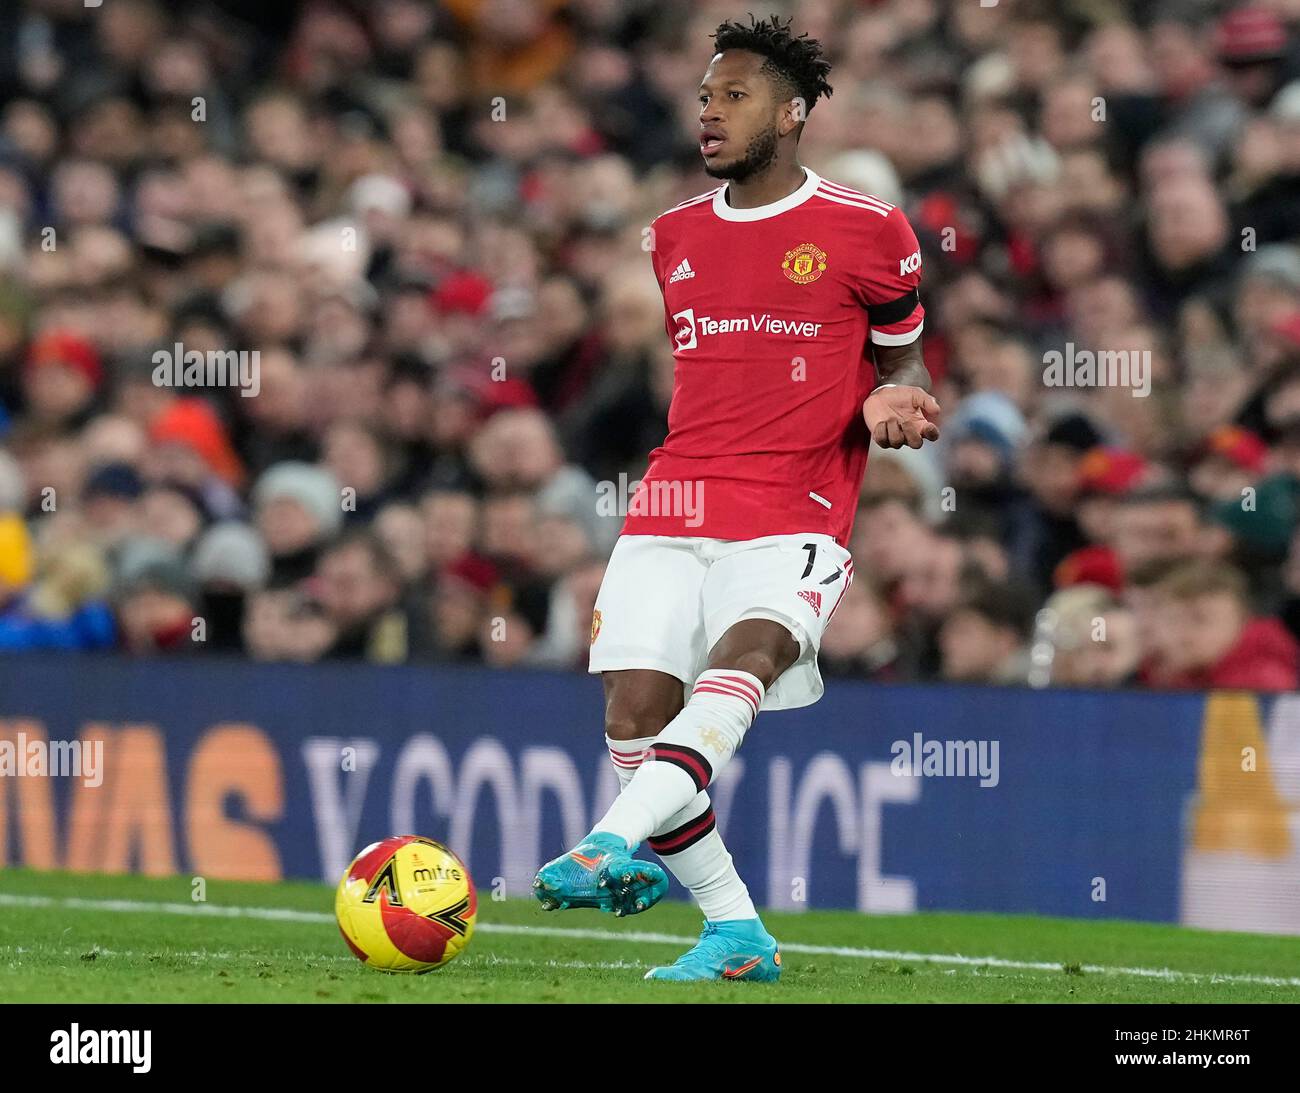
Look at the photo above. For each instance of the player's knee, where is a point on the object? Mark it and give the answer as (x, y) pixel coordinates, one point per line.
(760, 647)
(759, 663)
(640, 704)
(634, 724)
(633, 714)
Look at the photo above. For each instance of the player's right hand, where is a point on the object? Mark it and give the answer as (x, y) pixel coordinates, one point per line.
(899, 416)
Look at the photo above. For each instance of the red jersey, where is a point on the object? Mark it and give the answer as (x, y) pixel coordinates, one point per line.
(771, 311)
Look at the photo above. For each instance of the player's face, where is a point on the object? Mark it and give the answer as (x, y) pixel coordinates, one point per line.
(739, 116)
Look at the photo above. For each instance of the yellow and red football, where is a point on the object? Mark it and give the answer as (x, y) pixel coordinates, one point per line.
(406, 904)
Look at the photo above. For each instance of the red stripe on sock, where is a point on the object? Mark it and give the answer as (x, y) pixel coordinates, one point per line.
(744, 684)
(683, 834)
(700, 773)
(626, 759)
(706, 688)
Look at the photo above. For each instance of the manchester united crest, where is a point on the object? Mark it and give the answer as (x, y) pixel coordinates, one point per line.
(805, 263)
(595, 625)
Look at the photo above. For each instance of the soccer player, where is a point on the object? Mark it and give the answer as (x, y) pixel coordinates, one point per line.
(779, 287)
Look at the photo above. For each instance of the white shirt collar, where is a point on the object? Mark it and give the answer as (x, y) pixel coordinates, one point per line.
(762, 212)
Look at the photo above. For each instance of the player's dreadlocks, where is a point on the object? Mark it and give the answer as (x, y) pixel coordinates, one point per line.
(796, 62)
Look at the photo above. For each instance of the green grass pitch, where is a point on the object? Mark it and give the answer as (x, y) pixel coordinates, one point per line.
(71, 938)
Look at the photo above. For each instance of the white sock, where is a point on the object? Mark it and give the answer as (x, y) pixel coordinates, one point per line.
(626, 756)
(693, 849)
(690, 844)
(684, 758)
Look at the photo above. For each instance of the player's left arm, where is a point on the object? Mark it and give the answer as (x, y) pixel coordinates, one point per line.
(905, 412)
(901, 410)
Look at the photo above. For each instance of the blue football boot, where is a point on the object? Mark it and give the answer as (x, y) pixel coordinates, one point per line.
(736, 949)
(600, 872)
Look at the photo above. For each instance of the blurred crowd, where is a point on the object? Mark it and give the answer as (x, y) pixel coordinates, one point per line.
(426, 219)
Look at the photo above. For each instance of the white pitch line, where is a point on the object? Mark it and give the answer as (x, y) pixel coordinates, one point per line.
(278, 914)
(96, 951)
(219, 955)
(74, 903)
(611, 965)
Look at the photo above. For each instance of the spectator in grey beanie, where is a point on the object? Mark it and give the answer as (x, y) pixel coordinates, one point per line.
(229, 562)
(298, 510)
(981, 443)
(156, 609)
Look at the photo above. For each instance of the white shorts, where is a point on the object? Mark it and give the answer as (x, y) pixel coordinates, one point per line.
(666, 600)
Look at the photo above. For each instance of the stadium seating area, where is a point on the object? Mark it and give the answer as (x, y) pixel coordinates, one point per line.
(426, 219)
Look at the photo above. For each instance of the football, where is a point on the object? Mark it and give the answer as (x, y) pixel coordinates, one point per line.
(406, 904)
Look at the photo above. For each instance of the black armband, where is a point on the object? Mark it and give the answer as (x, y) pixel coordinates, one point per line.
(894, 311)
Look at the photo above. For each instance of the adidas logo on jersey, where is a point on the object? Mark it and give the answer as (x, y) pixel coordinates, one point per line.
(814, 598)
(682, 272)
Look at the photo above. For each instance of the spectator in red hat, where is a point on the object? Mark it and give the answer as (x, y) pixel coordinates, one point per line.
(1091, 565)
(62, 374)
(458, 607)
(1104, 476)
(1193, 102)
(462, 293)
(1129, 521)
(1231, 459)
(192, 425)
(1111, 471)
(510, 393)
(1251, 44)
(459, 305)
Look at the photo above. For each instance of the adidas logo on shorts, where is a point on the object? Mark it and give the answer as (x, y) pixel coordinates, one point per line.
(682, 272)
(814, 598)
